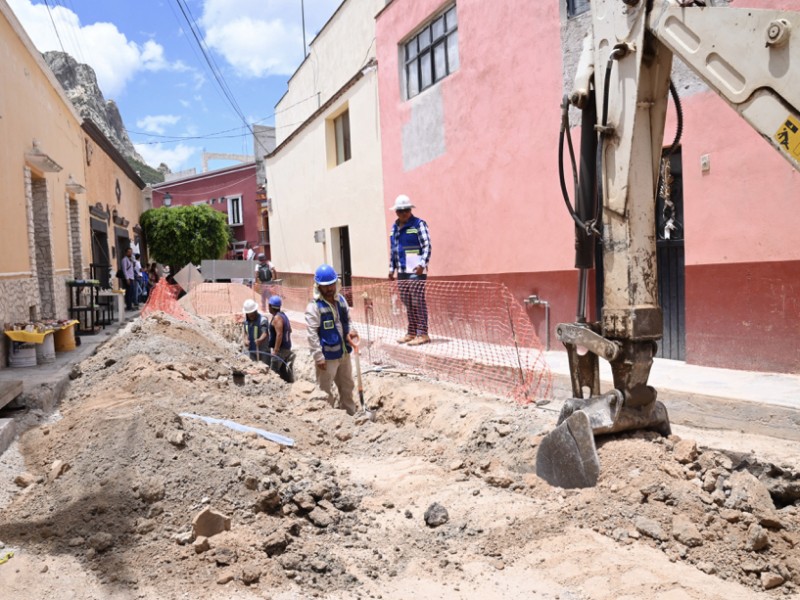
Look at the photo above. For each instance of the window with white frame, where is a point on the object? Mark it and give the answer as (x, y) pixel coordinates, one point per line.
(341, 131)
(432, 53)
(577, 7)
(235, 216)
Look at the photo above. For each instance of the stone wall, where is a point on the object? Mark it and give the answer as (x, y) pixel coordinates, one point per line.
(17, 296)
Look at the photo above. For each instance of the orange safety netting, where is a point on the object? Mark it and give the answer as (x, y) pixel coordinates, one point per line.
(164, 297)
(480, 335)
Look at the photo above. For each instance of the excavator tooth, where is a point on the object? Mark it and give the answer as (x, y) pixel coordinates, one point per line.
(567, 456)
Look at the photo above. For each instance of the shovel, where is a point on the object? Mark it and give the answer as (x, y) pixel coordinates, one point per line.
(370, 414)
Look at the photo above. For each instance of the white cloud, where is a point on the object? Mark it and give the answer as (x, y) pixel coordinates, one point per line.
(262, 37)
(175, 158)
(114, 58)
(156, 123)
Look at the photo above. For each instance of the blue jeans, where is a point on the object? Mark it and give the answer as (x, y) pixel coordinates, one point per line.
(412, 294)
(130, 292)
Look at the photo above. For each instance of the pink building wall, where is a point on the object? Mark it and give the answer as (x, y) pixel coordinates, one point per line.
(501, 120)
(492, 201)
(221, 183)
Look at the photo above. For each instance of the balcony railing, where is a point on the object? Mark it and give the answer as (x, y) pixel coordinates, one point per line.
(263, 238)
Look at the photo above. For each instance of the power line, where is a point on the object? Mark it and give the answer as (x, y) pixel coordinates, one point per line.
(215, 134)
(52, 20)
(215, 71)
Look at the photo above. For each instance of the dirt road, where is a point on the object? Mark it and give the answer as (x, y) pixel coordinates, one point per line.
(435, 499)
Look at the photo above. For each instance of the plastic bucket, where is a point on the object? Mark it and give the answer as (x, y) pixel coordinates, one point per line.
(64, 339)
(22, 355)
(46, 351)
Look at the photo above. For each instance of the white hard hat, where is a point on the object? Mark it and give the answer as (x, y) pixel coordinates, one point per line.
(250, 305)
(402, 202)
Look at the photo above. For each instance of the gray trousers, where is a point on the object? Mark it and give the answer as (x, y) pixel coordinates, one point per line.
(339, 372)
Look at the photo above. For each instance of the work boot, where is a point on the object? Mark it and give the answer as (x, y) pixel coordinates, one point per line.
(420, 339)
(406, 338)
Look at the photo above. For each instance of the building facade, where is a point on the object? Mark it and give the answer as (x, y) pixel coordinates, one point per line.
(45, 231)
(469, 110)
(324, 182)
(232, 191)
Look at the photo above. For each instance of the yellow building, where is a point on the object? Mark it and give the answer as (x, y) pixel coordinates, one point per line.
(53, 168)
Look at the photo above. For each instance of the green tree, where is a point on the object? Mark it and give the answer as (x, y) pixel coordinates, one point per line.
(185, 234)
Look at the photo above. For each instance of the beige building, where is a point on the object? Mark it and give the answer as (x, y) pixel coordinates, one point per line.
(324, 179)
(51, 169)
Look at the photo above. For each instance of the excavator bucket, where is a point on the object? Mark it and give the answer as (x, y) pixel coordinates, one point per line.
(567, 456)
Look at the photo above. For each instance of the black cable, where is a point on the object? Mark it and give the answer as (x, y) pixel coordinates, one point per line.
(679, 110)
(564, 132)
(49, 12)
(600, 190)
(211, 63)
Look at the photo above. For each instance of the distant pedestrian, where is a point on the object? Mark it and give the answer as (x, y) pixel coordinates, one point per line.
(280, 341)
(256, 332)
(330, 338)
(249, 253)
(129, 279)
(265, 274)
(152, 276)
(137, 274)
(410, 254)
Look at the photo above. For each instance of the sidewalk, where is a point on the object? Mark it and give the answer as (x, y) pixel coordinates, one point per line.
(706, 397)
(43, 385)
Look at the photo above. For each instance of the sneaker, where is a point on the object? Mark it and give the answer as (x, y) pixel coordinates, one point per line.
(419, 340)
(406, 338)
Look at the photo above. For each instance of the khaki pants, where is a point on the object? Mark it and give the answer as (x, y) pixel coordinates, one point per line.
(340, 372)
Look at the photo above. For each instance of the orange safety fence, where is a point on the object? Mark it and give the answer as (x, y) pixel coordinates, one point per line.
(480, 335)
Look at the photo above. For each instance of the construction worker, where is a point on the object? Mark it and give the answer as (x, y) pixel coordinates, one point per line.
(330, 337)
(256, 332)
(410, 253)
(280, 341)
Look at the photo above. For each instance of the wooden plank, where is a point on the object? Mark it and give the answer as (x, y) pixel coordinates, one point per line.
(9, 390)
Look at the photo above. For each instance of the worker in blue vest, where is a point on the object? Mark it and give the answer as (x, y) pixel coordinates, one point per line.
(409, 255)
(330, 337)
(256, 332)
(280, 341)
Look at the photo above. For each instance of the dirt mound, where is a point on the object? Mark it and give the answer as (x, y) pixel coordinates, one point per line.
(436, 498)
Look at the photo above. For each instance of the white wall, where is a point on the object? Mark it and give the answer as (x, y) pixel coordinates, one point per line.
(340, 50)
(308, 195)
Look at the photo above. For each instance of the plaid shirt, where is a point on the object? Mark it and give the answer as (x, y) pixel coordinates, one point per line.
(413, 236)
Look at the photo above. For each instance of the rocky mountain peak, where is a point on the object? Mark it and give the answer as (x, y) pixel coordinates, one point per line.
(80, 84)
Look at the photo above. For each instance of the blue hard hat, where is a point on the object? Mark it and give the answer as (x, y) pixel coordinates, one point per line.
(275, 301)
(325, 275)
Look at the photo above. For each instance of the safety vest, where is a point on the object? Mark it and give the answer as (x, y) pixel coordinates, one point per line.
(407, 240)
(286, 341)
(254, 330)
(329, 337)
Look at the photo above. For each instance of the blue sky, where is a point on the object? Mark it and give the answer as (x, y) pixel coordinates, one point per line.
(147, 60)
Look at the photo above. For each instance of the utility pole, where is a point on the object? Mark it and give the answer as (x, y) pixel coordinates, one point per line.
(303, 19)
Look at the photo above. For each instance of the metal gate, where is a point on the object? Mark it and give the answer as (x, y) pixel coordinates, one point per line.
(671, 261)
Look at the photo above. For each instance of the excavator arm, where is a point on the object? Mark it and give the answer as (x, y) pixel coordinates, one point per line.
(751, 58)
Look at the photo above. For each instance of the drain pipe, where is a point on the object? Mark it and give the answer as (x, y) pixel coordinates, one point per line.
(534, 300)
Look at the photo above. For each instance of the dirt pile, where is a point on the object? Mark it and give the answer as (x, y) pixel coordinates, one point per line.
(128, 495)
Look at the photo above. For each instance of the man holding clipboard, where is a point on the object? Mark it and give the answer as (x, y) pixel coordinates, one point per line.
(410, 252)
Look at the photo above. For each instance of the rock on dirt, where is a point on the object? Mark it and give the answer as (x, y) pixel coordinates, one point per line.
(336, 516)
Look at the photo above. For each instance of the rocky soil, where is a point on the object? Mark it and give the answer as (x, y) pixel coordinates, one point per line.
(123, 494)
